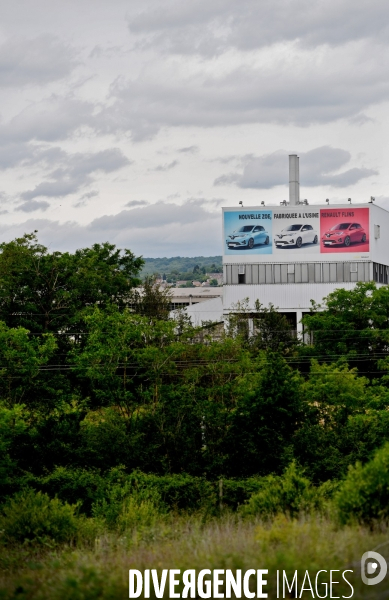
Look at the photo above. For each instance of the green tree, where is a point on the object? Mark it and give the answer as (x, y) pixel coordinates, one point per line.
(271, 330)
(353, 325)
(364, 495)
(269, 412)
(21, 358)
(346, 419)
(45, 291)
(12, 425)
(152, 301)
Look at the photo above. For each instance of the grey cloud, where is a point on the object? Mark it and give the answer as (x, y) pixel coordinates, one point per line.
(85, 197)
(228, 179)
(163, 229)
(105, 51)
(14, 153)
(317, 167)
(35, 61)
(54, 189)
(291, 90)
(294, 87)
(166, 167)
(155, 215)
(74, 171)
(135, 203)
(189, 150)
(347, 178)
(209, 28)
(32, 205)
(54, 118)
(88, 195)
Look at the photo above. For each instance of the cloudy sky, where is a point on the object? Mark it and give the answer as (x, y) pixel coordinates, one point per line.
(135, 121)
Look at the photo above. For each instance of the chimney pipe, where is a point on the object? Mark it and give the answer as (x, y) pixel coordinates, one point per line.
(294, 179)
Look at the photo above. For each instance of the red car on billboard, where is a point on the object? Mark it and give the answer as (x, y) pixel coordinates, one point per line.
(344, 234)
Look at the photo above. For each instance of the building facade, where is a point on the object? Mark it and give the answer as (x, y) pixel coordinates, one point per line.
(291, 254)
(295, 253)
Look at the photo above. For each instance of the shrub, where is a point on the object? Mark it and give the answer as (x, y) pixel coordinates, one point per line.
(89, 488)
(129, 502)
(139, 514)
(124, 508)
(12, 425)
(364, 494)
(235, 492)
(34, 516)
(74, 486)
(178, 491)
(290, 494)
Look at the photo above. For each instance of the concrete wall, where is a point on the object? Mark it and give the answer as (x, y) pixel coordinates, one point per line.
(211, 310)
(379, 248)
(290, 297)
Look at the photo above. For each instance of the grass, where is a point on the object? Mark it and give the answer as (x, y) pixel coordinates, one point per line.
(100, 569)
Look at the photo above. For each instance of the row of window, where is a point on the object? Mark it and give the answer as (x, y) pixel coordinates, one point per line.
(337, 272)
(380, 273)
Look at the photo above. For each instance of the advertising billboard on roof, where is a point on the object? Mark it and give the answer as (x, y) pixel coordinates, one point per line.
(297, 231)
(344, 230)
(247, 231)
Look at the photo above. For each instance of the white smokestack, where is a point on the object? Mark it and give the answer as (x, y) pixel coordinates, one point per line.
(294, 179)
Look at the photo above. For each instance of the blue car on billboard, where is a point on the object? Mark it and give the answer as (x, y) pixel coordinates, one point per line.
(248, 236)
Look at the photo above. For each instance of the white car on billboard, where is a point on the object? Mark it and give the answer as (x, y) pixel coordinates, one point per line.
(296, 235)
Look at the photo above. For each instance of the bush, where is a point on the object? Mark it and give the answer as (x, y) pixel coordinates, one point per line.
(364, 494)
(290, 494)
(126, 509)
(12, 424)
(89, 488)
(139, 514)
(34, 516)
(74, 486)
(178, 491)
(237, 492)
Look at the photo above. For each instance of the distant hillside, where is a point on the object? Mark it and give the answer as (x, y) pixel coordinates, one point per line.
(180, 264)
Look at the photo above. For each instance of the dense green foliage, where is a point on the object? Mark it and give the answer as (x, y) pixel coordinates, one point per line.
(115, 417)
(364, 495)
(35, 517)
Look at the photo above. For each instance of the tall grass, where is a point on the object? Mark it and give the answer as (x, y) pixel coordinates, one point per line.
(186, 542)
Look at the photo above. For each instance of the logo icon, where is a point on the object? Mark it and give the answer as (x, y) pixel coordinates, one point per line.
(373, 563)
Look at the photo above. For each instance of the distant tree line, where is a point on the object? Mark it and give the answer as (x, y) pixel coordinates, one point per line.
(182, 268)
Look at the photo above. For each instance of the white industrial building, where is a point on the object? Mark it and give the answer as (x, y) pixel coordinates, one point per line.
(290, 254)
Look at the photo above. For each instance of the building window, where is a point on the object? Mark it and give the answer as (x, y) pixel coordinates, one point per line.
(380, 273)
(324, 272)
(242, 274)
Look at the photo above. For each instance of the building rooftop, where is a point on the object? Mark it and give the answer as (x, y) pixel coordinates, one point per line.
(196, 293)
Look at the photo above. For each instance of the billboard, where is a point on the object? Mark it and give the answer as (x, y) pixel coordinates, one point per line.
(344, 230)
(248, 231)
(303, 231)
(298, 230)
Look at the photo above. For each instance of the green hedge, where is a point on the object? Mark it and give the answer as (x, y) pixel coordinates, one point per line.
(176, 492)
